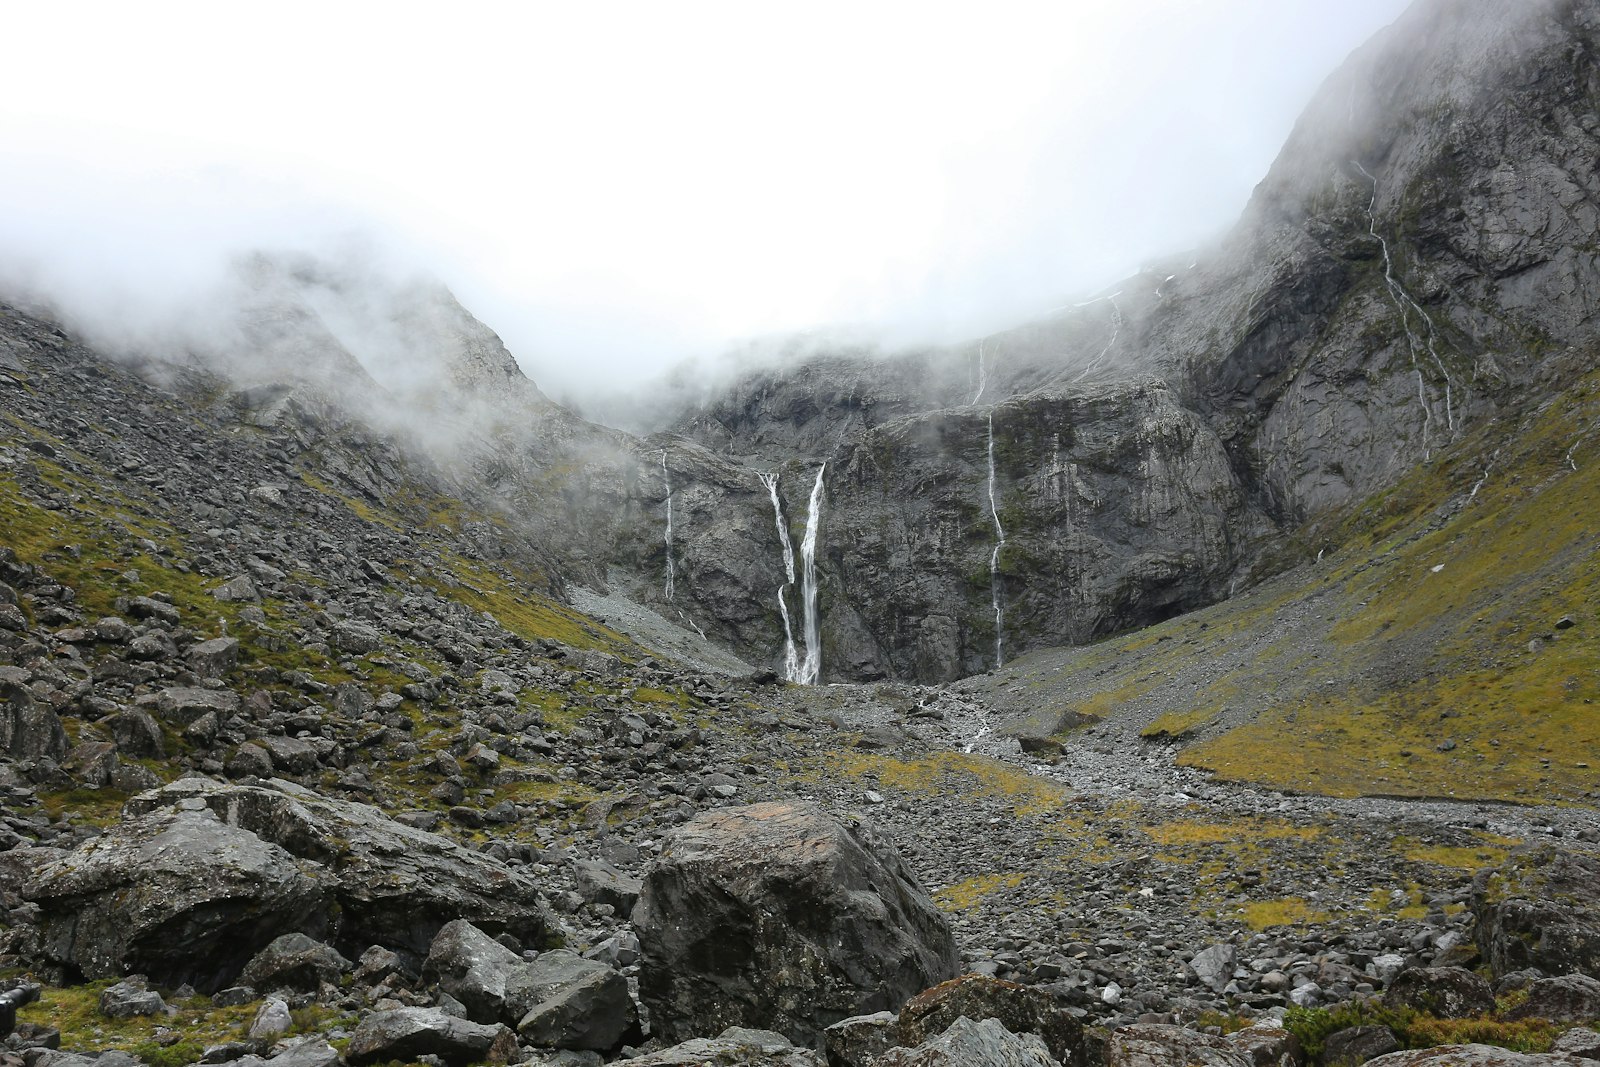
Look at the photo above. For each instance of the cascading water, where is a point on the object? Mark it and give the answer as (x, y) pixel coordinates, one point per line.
(791, 656)
(811, 669)
(994, 559)
(1401, 299)
(672, 568)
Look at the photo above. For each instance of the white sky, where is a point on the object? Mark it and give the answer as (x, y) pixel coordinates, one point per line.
(615, 186)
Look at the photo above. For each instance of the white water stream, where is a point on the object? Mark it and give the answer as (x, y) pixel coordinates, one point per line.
(791, 655)
(811, 669)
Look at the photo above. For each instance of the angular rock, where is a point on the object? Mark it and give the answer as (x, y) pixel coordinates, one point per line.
(859, 1040)
(312, 1051)
(395, 885)
(1580, 1041)
(778, 915)
(178, 895)
(184, 704)
(214, 658)
(598, 882)
(578, 1003)
(130, 998)
(1448, 992)
(1159, 1045)
(1214, 966)
(356, 637)
(249, 760)
(1021, 1009)
(734, 1047)
(294, 961)
(1571, 998)
(406, 1034)
(480, 972)
(1469, 1056)
(1358, 1044)
(237, 590)
(136, 734)
(1541, 908)
(272, 1019)
(973, 1044)
(1269, 1046)
(29, 730)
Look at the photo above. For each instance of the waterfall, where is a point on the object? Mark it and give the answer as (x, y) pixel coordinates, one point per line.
(1402, 300)
(811, 670)
(983, 375)
(671, 566)
(791, 657)
(994, 559)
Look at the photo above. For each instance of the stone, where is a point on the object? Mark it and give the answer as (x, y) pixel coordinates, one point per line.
(859, 1040)
(272, 1019)
(249, 760)
(1161, 1045)
(1571, 998)
(1540, 908)
(239, 589)
(1448, 992)
(966, 1043)
(406, 1034)
(1269, 1045)
(295, 962)
(1358, 1044)
(484, 975)
(29, 730)
(598, 882)
(779, 915)
(1214, 966)
(1469, 1056)
(184, 704)
(309, 1051)
(1021, 1009)
(214, 658)
(136, 734)
(356, 638)
(736, 1046)
(1580, 1042)
(130, 998)
(578, 1003)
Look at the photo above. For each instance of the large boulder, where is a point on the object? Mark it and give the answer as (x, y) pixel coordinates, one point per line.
(480, 972)
(973, 1044)
(777, 915)
(395, 885)
(1470, 1056)
(1021, 1009)
(1541, 908)
(1572, 998)
(407, 1034)
(1448, 992)
(178, 895)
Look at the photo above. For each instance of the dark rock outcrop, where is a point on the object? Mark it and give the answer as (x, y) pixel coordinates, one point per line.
(1541, 908)
(779, 915)
(1448, 992)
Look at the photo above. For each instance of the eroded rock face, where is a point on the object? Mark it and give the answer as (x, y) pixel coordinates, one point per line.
(1469, 1056)
(1540, 909)
(779, 915)
(973, 1044)
(1448, 992)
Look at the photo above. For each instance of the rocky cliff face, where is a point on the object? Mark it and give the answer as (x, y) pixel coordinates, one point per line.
(1421, 255)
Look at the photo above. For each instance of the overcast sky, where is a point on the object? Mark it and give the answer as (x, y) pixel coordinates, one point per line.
(615, 186)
